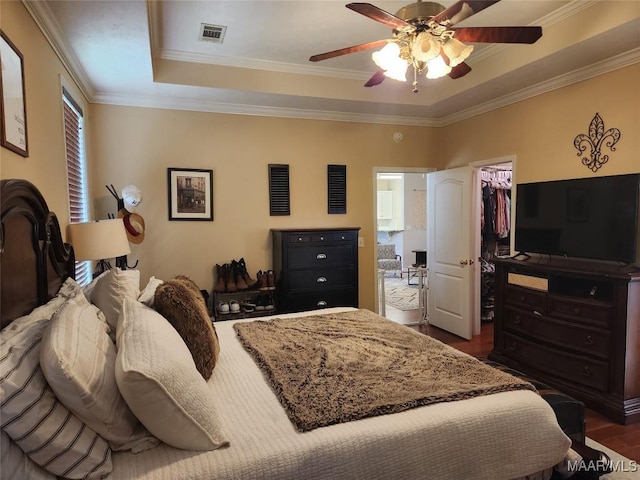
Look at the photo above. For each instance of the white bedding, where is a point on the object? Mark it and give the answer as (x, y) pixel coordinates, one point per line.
(500, 436)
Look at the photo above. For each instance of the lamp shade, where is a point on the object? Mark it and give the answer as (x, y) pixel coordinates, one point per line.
(437, 68)
(387, 57)
(99, 240)
(456, 51)
(425, 47)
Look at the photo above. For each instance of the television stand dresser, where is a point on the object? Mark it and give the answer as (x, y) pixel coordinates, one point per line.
(574, 325)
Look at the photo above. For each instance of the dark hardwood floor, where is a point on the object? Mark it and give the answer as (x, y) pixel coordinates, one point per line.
(624, 439)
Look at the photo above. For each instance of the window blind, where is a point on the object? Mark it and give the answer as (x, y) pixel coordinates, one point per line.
(76, 181)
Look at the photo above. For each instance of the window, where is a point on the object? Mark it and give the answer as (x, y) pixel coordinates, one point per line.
(76, 173)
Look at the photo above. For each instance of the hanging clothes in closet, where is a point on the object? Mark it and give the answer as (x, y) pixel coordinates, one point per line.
(496, 228)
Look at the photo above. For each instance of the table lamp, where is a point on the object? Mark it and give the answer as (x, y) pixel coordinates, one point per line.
(100, 241)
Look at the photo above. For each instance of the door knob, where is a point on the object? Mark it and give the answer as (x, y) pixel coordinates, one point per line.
(464, 262)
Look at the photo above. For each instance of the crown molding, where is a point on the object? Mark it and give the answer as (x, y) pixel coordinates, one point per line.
(199, 105)
(52, 31)
(619, 61)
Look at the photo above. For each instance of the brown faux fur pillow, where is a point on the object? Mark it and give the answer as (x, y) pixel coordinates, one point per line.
(184, 308)
(191, 284)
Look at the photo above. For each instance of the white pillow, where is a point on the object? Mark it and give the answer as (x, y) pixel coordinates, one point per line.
(87, 289)
(148, 294)
(37, 421)
(159, 381)
(15, 464)
(78, 360)
(111, 289)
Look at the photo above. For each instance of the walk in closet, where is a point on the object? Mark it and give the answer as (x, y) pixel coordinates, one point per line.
(495, 226)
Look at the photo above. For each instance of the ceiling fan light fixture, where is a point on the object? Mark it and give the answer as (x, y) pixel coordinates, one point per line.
(437, 68)
(456, 51)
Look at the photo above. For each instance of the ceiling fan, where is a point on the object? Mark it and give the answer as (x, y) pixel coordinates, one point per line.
(424, 38)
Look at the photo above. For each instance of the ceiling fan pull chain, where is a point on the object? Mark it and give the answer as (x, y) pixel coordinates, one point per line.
(415, 79)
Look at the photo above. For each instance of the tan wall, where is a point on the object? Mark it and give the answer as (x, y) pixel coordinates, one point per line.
(46, 166)
(540, 130)
(137, 145)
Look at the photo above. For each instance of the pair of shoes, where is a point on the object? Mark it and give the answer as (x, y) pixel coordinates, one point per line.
(266, 280)
(225, 281)
(225, 308)
(248, 307)
(231, 277)
(264, 302)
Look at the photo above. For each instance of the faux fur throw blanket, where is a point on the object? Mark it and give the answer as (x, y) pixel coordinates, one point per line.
(334, 368)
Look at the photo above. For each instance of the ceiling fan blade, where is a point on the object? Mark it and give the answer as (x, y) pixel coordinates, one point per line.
(498, 34)
(462, 10)
(346, 50)
(459, 70)
(376, 79)
(379, 15)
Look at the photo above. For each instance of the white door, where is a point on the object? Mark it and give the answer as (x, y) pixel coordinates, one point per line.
(449, 250)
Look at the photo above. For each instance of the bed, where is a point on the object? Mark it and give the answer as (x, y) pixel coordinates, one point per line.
(512, 434)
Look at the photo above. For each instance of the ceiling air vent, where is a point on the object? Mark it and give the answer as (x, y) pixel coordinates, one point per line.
(279, 190)
(212, 33)
(337, 188)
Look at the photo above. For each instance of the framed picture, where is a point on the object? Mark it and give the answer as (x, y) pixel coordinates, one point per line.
(190, 194)
(13, 107)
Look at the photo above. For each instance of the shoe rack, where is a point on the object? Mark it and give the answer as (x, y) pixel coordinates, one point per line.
(254, 297)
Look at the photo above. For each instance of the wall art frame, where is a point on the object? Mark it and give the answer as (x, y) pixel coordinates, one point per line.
(190, 194)
(13, 105)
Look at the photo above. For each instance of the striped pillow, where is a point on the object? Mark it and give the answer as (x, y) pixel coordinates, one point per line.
(15, 464)
(78, 360)
(37, 421)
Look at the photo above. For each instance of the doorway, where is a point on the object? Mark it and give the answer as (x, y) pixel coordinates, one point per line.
(400, 218)
(454, 247)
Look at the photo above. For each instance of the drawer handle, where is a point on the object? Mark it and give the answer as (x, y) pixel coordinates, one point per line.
(299, 239)
(517, 320)
(322, 303)
(321, 279)
(586, 372)
(589, 340)
(321, 256)
(513, 347)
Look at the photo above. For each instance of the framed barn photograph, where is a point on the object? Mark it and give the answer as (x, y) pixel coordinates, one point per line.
(12, 98)
(190, 194)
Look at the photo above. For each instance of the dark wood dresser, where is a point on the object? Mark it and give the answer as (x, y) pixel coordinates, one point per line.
(315, 268)
(574, 325)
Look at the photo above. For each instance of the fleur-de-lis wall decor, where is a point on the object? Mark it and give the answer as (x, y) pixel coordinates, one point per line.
(594, 141)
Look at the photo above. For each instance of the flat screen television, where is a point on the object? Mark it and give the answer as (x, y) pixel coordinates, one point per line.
(594, 218)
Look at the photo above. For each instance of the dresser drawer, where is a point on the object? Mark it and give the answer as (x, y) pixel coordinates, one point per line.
(318, 256)
(298, 302)
(526, 298)
(580, 310)
(591, 341)
(577, 369)
(321, 237)
(321, 278)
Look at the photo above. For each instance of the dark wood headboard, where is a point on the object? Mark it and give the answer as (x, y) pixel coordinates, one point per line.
(34, 260)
